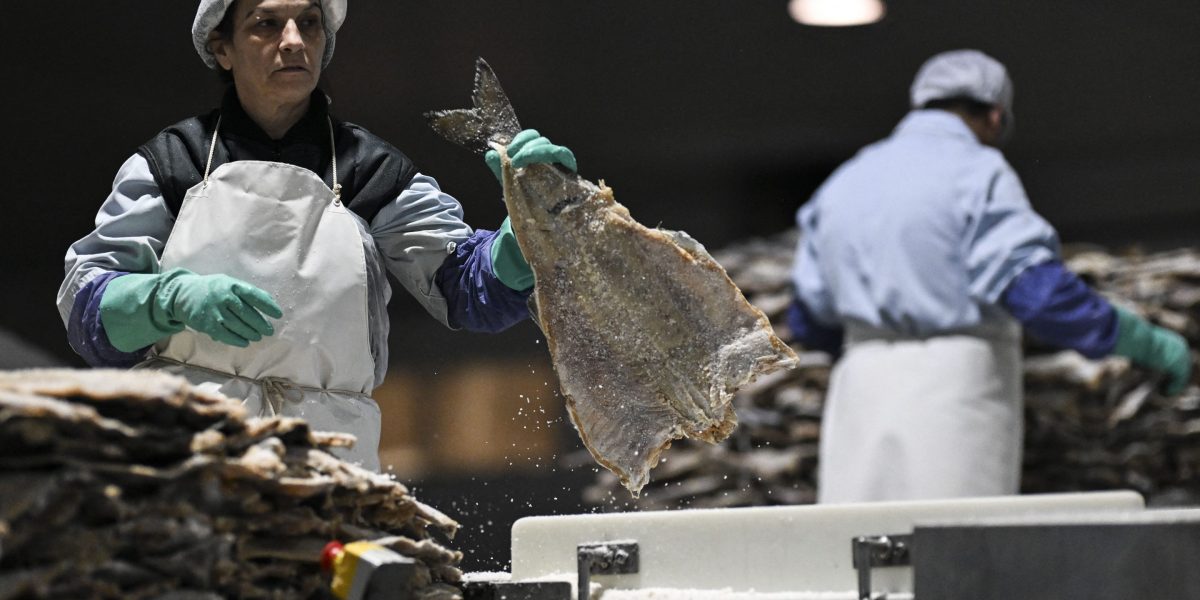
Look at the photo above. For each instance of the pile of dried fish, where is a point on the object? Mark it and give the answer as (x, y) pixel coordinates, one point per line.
(1090, 425)
(119, 484)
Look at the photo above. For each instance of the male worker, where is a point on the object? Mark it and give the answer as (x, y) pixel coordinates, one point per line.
(245, 249)
(923, 251)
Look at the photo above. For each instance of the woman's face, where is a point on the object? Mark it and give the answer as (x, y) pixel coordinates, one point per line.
(275, 49)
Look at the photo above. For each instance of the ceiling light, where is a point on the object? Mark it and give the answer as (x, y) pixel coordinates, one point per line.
(836, 13)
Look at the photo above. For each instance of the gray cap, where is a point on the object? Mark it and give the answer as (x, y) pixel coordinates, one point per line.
(210, 13)
(964, 74)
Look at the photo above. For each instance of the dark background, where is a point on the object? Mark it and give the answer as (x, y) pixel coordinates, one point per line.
(718, 117)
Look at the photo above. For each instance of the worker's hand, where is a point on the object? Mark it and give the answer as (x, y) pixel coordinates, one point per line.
(1155, 348)
(139, 309)
(529, 147)
(226, 309)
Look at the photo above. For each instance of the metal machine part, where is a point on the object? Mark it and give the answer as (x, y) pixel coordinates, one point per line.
(509, 590)
(606, 558)
(876, 551)
(1144, 554)
(1152, 554)
(593, 558)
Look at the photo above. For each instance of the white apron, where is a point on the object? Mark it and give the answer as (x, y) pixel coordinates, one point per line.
(280, 228)
(913, 419)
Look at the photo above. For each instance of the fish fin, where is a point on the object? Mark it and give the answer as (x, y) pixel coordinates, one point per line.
(491, 120)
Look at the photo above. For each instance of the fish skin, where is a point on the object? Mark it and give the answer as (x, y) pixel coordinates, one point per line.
(649, 336)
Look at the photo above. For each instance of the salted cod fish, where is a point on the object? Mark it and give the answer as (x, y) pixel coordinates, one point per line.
(649, 336)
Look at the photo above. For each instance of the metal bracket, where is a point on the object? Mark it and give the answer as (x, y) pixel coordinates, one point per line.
(504, 590)
(873, 551)
(604, 558)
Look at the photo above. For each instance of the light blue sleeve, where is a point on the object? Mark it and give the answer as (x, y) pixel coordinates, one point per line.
(415, 233)
(1005, 238)
(810, 286)
(131, 228)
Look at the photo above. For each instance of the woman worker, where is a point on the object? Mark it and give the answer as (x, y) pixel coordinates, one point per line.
(245, 249)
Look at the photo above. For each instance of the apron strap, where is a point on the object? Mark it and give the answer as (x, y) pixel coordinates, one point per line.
(337, 187)
(212, 147)
(275, 390)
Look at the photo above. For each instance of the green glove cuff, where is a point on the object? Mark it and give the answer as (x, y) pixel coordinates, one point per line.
(508, 264)
(1154, 347)
(132, 313)
(1133, 334)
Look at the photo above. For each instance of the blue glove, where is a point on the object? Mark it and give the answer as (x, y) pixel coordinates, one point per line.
(529, 147)
(1155, 348)
(139, 309)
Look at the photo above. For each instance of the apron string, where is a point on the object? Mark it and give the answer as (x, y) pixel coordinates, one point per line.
(275, 390)
(337, 187)
(212, 148)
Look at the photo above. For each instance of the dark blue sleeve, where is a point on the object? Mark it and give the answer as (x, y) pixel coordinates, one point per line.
(1058, 308)
(812, 334)
(475, 299)
(86, 333)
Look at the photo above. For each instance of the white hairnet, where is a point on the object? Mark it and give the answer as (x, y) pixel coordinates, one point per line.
(210, 13)
(964, 74)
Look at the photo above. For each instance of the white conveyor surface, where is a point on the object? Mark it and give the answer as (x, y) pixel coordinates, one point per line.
(764, 550)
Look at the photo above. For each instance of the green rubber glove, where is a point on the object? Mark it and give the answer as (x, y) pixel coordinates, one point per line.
(139, 309)
(508, 263)
(1155, 348)
(529, 147)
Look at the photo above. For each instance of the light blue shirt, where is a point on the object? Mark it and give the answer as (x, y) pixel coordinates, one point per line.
(918, 234)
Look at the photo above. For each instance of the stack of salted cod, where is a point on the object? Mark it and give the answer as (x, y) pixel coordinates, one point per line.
(1090, 425)
(649, 337)
(117, 484)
